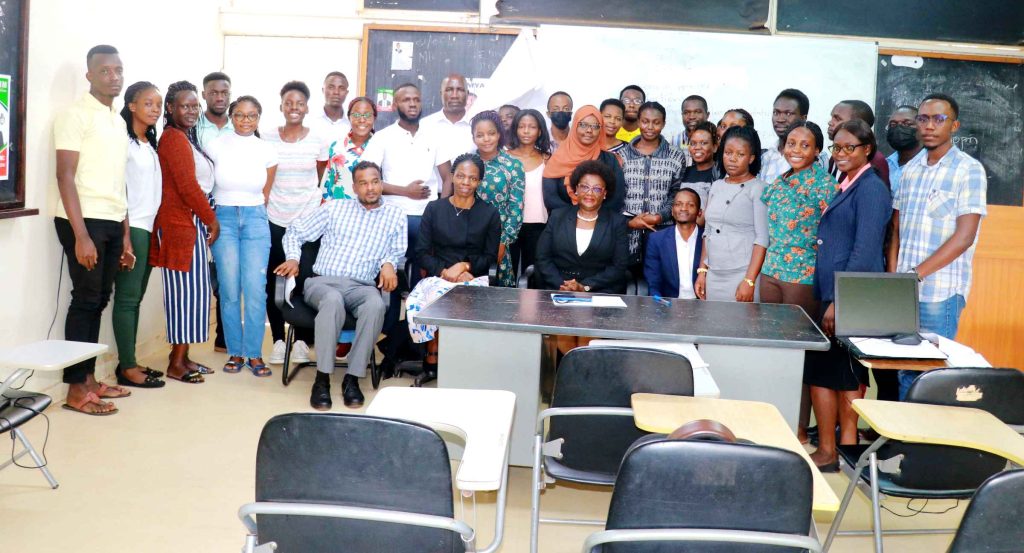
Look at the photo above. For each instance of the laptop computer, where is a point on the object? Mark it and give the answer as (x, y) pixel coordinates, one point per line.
(877, 305)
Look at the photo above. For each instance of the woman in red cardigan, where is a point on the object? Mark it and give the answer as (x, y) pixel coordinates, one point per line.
(185, 225)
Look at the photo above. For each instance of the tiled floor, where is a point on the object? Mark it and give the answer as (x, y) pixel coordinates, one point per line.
(168, 473)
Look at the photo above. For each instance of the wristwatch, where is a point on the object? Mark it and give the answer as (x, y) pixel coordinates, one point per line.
(749, 282)
(586, 288)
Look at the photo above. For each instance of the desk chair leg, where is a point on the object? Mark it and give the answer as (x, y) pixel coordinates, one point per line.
(854, 478)
(876, 508)
(535, 483)
(287, 355)
(38, 459)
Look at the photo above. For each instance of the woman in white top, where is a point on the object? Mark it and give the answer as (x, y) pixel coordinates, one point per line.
(244, 168)
(142, 108)
(530, 144)
(295, 192)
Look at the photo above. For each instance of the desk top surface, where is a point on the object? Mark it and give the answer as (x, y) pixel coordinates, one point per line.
(695, 321)
(49, 355)
(482, 417)
(942, 425)
(758, 422)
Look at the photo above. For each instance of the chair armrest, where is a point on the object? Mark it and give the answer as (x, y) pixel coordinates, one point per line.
(576, 411)
(701, 535)
(279, 287)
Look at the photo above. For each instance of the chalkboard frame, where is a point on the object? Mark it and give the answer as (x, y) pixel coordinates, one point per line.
(16, 208)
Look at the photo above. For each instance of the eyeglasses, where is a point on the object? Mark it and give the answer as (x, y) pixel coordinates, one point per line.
(366, 116)
(938, 118)
(588, 126)
(904, 123)
(847, 149)
(591, 190)
(245, 116)
(632, 101)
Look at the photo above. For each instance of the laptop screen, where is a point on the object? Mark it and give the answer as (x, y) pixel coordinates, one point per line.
(876, 304)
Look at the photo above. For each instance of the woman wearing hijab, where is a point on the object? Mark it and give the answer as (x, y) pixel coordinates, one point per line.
(583, 144)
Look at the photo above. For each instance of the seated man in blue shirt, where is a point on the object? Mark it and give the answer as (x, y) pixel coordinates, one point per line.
(359, 239)
(673, 254)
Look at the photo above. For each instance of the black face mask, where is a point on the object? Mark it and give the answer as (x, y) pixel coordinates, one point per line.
(561, 119)
(901, 138)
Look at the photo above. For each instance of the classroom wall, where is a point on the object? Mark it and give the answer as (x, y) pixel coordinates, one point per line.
(157, 43)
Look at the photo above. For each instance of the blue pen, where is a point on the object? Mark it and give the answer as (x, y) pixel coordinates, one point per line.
(662, 301)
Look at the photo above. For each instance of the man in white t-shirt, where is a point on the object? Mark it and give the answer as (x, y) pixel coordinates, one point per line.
(331, 122)
(450, 128)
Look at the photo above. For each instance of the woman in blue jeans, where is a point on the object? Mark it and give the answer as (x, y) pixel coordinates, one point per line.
(244, 168)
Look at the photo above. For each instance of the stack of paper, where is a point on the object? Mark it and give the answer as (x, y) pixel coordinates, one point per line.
(884, 348)
(587, 301)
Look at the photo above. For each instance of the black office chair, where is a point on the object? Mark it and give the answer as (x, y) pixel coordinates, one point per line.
(992, 522)
(301, 315)
(591, 422)
(329, 482)
(926, 471)
(17, 408)
(712, 497)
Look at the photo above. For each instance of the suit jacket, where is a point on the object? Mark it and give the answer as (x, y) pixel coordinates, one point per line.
(603, 264)
(851, 233)
(661, 266)
(180, 199)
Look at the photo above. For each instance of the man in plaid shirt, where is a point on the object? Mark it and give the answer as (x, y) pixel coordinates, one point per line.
(938, 204)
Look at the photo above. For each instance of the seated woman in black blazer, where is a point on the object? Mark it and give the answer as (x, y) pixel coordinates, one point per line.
(585, 248)
(457, 244)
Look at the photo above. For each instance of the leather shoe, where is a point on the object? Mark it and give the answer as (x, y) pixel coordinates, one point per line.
(350, 392)
(429, 374)
(320, 399)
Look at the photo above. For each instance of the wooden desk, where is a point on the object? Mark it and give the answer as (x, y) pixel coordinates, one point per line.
(758, 422)
(942, 425)
(482, 417)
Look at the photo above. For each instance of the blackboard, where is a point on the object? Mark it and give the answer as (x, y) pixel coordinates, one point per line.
(436, 52)
(981, 21)
(991, 98)
(13, 63)
(429, 5)
(726, 15)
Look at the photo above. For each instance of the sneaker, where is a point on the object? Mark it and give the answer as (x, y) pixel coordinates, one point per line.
(277, 355)
(300, 352)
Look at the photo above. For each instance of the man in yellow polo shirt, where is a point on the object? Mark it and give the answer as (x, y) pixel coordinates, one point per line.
(92, 148)
(632, 97)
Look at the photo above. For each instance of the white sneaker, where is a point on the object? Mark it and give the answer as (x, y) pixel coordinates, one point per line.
(277, 355)
(300, 352)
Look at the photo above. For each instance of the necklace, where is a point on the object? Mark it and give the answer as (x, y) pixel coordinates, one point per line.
(588, 220)
(458, 210)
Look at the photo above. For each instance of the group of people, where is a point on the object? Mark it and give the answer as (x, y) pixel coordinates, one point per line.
(578, 200)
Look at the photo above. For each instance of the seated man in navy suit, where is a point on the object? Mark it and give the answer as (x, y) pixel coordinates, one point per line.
(673, 254)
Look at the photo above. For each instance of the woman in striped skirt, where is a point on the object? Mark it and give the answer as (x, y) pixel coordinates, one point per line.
(185, 225)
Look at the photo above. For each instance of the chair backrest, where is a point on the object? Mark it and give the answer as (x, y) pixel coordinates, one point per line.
(992, 522)
(357, 461)
(998, 391)
(698, 484)
(607, 377)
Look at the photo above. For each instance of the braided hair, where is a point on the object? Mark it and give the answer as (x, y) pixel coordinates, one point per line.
(130, 96)
(172, 94)
(252, 100)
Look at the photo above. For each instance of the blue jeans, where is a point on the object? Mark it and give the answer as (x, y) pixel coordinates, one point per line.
(940, 317)
(241, 253)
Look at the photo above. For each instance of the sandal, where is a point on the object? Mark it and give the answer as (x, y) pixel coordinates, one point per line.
(260, 370)
(91, 397)
(150, 381)
(112, 392)
(233, 367)
(191, 377)
(203, 369)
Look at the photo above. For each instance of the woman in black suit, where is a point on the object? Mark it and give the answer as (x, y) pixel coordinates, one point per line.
(585, 247)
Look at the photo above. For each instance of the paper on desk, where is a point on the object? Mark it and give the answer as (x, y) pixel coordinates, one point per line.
(884, 348)
(289, 286)
(961, 355)
(587, 301)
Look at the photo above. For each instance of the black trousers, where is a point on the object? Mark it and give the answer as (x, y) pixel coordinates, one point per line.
(90, 290)
(524, 249)
(306, 260)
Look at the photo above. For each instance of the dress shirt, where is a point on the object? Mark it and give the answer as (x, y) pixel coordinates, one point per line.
(685, 249)
(450, 139)
(355, 242)
(144, 184)
(404, 157)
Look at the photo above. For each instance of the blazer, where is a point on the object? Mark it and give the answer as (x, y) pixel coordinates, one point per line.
(181, 197)
(556, 196)
(448, 236)
(661, 266)
(851, 233)
(603, 264)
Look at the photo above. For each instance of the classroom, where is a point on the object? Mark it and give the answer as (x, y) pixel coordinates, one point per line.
(516, 275)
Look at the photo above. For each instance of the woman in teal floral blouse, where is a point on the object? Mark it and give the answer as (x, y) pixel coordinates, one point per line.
(344, 154)
(502, 187)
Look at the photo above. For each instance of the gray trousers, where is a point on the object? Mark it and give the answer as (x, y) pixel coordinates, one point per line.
(334, 298)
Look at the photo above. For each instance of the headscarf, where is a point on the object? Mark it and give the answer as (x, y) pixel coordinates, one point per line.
(572, 152)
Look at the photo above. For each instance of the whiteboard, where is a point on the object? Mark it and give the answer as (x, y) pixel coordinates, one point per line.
(729, 70)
